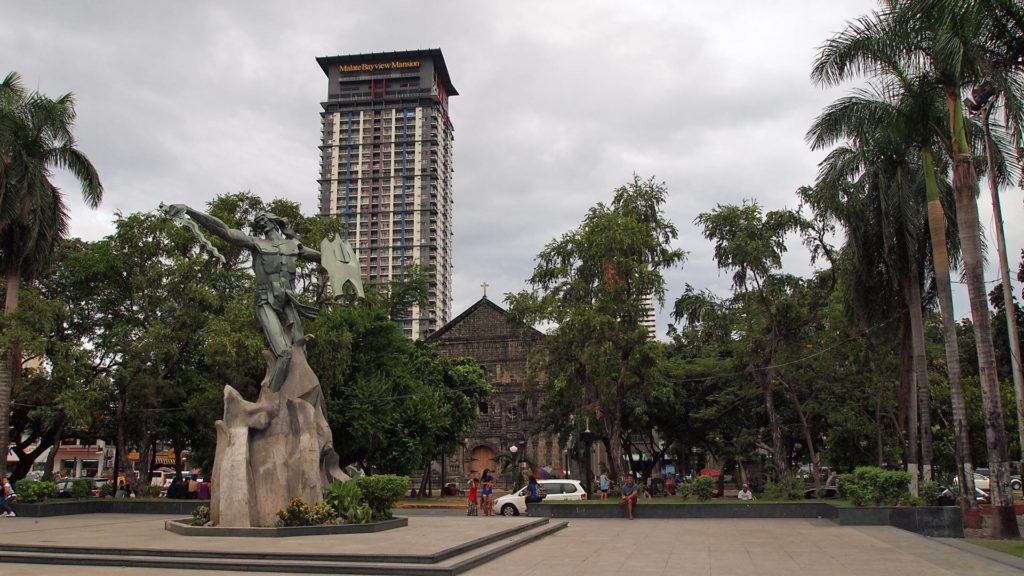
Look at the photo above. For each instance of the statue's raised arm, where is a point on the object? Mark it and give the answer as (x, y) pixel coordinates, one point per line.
(212, 224)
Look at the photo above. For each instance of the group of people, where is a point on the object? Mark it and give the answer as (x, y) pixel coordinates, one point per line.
(191, 489)
(481, 494)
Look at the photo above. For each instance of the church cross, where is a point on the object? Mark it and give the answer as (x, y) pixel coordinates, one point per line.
(484, 286)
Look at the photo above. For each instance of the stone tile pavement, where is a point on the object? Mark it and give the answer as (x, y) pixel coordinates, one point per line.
(721, 547)
(715, 547)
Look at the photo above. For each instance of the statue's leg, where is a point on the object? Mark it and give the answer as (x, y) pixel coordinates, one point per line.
(294, 324)
(280, 345)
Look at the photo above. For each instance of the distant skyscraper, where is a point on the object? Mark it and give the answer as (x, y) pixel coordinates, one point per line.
(386, 169)
(649, 320)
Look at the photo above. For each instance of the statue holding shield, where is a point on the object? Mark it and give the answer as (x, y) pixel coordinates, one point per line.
(280, 446)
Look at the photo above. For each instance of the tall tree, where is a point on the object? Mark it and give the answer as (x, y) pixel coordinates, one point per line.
(35, 138)
(904, 114)
(592, 284)
(961, 43)
(750, 244)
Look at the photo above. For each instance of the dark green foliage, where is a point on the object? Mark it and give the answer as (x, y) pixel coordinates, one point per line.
(81, 488)
(929, 492)
(298, 513)
(684, 490)
(703, 488)
(871, 486)
(30, 491)
(346, 499)
(201, 516)
(382, 492)
(791, 488)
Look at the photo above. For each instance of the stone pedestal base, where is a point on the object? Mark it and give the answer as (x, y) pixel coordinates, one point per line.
(272, 450)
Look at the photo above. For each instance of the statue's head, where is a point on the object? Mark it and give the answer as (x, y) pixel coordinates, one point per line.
(265, 222)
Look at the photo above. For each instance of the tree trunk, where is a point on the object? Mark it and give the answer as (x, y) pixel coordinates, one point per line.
(10, 366)
(912, 290)
(1004, 271)
(965, 186)
(910, 372)
(775, 427)
(940, 258)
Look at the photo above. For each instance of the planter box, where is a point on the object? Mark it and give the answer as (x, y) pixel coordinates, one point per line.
(107, 505)
(655, 510)
(941, 521)
(185, 529)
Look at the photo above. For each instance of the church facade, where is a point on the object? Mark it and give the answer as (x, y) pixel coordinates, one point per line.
(485, 332)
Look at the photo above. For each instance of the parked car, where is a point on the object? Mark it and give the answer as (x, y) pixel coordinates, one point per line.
(947, 497)
(827, 492)
(514, 504)
(981, 481)
(65, 488)
(1015, 481)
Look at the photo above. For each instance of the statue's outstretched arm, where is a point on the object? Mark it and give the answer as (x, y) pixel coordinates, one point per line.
(308, 254)
(212, 224)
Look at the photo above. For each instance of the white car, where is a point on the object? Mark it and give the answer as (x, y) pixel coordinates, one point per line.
(514, 504)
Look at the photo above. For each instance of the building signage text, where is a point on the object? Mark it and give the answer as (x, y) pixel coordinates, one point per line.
(395, 65)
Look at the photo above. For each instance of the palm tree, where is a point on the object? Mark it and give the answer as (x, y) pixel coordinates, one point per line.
(960, 43)
(35, 139)
(911, 111)
(877, 185)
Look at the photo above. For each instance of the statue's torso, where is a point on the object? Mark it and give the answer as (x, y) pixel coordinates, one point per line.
(274, 262)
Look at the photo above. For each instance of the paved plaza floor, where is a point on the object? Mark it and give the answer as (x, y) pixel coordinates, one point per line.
(713, 547)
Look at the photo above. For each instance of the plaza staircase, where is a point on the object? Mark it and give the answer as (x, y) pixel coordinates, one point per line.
(450, 561)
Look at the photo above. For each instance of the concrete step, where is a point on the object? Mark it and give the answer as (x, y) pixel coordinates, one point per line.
(450, 561)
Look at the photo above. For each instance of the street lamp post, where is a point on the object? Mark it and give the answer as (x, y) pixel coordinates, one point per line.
(588, 438)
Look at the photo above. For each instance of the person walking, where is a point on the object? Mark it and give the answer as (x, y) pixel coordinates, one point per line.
(533, 491)
(604, 484)
(8, 499)
(487, 484)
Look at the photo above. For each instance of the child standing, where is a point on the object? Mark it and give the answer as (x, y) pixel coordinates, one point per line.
(472, 496)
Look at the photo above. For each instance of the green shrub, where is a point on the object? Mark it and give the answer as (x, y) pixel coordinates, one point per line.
(346, 500)
(81, 488)
(150, 491)
(298, 513)
(930, 492)
(871, 486)
(201, 516)
(382, 491)
(790, 489)
(30, 491)
(684, 491)
(704, 488)
(108, 490)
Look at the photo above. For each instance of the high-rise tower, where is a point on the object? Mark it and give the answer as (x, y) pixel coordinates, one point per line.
(386, 169)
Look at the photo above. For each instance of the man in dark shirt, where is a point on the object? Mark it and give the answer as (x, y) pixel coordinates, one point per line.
(629, 494)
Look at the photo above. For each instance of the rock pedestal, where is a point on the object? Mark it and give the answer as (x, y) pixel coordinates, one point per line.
(272, 450)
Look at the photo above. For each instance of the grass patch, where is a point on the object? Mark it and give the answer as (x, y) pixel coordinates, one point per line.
(1014, 547)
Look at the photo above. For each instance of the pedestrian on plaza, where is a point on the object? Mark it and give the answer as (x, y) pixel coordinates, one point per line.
(204, 490)
(533, 494)
(128, 492)
(745, 493)
(120, 492)
(193, 488)
(604, 484)
(487, 491)
(471, 500)
(8, 499)
(629, 494)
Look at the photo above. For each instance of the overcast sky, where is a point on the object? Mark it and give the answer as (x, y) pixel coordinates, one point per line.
(560, 103)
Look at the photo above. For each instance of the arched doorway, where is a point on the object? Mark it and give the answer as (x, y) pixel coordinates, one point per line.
(482, 457)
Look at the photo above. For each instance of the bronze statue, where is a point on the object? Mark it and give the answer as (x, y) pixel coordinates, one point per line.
(275, 250)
